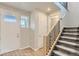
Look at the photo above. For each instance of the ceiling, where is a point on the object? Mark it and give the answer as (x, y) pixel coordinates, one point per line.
(30, 6)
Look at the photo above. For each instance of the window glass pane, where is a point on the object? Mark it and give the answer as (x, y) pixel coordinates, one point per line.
(9, 18)
(24, 21)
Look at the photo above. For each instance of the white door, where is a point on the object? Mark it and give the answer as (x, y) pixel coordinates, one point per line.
(9, 33)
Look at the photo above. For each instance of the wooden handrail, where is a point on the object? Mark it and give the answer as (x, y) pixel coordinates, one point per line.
(51, 38)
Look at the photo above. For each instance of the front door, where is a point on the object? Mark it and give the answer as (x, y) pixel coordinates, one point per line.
(10, 32)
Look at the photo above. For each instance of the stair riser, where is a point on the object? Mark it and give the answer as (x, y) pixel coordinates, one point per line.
(68, 45)
(71, 29)
(71, 33)
(70, 40)
(67, 52)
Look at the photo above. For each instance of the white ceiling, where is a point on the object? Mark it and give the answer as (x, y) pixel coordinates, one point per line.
(30, 6)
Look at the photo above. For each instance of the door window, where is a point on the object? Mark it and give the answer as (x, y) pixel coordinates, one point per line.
(24, 22)
(9, 18)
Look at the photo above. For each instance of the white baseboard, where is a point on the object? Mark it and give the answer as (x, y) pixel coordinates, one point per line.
(35, 49)
(25, 47)
(2, 52)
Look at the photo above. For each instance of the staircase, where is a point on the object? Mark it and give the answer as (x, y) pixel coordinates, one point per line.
(68, 43)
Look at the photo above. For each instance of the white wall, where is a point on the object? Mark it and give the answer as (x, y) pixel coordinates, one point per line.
(64, 21)
(39, 28)
(72, 17)
(25, 40)
(42, 28)
(33, 22)
(53, 19)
